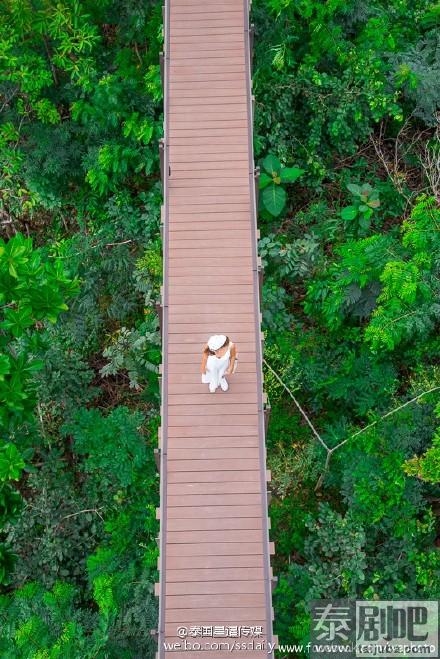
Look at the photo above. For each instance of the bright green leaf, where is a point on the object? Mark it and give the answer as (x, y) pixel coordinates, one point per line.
(264, 181)
(290, 174)
(11, 463)
(354, 189)
(274, 199)
(272, 165)
(349, 213)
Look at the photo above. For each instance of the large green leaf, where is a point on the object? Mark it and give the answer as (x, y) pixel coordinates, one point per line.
(274, 199)
(349, 213)
(17, 320)
(290, 174)
(366, 189)
(264, 181)
(11, 463)
(272, 165)
(354, 189)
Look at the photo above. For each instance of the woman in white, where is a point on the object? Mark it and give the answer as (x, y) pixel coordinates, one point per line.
(218, 359)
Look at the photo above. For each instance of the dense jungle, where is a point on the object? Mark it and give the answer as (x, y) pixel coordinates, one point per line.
(346, 134)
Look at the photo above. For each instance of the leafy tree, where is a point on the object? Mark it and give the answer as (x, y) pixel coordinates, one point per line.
(113, 444)
(427, 466)
(271, 182)
(81, 114)
(32, 291)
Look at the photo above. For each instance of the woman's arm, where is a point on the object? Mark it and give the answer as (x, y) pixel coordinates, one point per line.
(204, 360)
(232, 360)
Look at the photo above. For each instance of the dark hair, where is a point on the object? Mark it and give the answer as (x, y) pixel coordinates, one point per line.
(212, 352)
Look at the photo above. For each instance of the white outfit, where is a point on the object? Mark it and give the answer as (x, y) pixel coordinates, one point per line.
(216, 368)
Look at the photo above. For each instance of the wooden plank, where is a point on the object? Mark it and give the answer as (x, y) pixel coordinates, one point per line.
(215, 107)
(185, 54)
(195, 348)
(188, 295)
(188, 379)
(238, 487)
(216, 524)
(220, 61)
(225, 178)
(207, 219)
(222, 407)
(212, 600)
(210, 157)
(201, 338)
(204, 398)
(217, 204)
(214, 511)
(214, 562)
(211, 453)
(183, 178)
(213, 465)
(219, 574)
(213, 500)
(192, 295)
(204, 430)
(194, 357)
(237, 384)
(217, 476)
(207, 140)
(198, 15)
(239, 535)
(207, 442)
(226, 587)
(220, 320)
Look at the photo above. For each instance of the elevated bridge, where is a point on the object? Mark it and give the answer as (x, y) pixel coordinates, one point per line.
(214, 544)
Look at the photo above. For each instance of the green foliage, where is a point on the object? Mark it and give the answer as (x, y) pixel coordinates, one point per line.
(335, 550)
(59, 527)
(45, 623)
(366, 199)
(399, 294)
(289, 260)
(32, 290)
(7, 562)
(11, 463)
(137, 350)
(113, 444)
(80, 110)
(11, 504)
(336, 69)
(275, 315)
(292, 622)
(80, 93)
(271, 182)
(427, 466)
(408, 304)
(350, 298)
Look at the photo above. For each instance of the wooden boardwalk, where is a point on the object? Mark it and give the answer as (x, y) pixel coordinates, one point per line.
(214, 547)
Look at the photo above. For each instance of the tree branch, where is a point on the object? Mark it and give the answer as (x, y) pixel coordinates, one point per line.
(330, 451)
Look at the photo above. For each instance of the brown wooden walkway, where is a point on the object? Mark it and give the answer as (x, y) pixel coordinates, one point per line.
(214, 547)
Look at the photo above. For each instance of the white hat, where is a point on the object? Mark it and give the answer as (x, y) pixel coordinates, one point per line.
(216, 342)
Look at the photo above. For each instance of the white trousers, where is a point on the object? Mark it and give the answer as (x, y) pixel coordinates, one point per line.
(215, 370)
